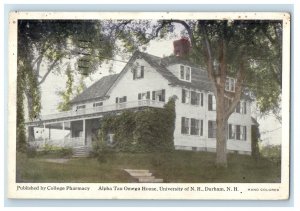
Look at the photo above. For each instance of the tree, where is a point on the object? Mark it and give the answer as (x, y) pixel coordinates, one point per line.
(49, 43)
(248, 51)
(68, 93)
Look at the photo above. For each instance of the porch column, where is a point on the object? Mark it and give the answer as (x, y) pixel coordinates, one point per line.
(44, 134)
(63, 127)
(83, 132)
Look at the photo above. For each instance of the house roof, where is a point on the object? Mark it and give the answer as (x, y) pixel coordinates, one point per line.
(199, 81)
(96, 90)
(99, 89)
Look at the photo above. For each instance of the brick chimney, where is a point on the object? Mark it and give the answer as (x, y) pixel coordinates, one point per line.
(182, 47)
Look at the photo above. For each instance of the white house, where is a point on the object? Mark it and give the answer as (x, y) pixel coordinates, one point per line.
(149, 81)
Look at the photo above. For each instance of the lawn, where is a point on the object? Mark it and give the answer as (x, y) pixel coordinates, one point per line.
(173, 167)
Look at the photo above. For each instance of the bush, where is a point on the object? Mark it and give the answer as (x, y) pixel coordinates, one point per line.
(149, 130)
(271, 152)
(31, 151)
(56, 151)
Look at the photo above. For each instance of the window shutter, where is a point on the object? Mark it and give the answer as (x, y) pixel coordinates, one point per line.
(182, 125)
(139, 96)
(125, 99)
(163, 95)
(210, 102)
(142, 71)
(238, 108)
(117, 99)
(201, 98)
(148, 95)
(183, 96)
(201, 128)
(134, 74)
(245, 108)
(238, 132)
(153, 95)
(245, 133)
(230, 131)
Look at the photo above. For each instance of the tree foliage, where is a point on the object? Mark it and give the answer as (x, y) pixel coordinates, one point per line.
(247, 50)
(44, 45)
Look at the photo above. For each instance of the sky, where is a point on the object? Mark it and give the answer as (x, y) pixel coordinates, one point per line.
(270, 128)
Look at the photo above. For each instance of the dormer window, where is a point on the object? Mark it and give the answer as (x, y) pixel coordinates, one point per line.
(185, 73)
(138, 72)
(230, 84)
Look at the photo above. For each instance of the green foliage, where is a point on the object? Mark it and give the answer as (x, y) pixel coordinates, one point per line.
(55, 151)
(67, 94)
(271, 152)
(150, 130)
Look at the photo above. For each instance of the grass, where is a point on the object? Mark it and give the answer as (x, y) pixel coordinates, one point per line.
(173, 167)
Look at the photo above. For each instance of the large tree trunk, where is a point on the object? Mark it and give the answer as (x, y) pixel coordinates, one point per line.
(30, 130)
(221, 133)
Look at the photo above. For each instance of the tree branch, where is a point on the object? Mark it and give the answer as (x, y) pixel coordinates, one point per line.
(238, 89)
(48, 71)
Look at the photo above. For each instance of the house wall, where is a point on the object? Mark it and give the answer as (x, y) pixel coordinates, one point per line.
(152, 81)
(189, 142)
(126, 86)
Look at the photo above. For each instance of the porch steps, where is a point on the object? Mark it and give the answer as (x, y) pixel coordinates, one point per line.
(81, 152)
(143, 176)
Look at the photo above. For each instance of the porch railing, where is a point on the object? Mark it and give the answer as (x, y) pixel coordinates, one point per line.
(106, 108)
(65, 142)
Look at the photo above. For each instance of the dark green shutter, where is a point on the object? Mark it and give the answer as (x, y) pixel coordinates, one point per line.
(210, 102)
(201, 128)
(125, 98)
(201, 96)
(139, 96)
(142, 71)
(153, 95)
(183, 96)
(163, 95)
(117, 99)
(182, 125)
(134, 74)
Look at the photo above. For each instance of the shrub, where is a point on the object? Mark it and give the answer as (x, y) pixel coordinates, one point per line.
(149, 130)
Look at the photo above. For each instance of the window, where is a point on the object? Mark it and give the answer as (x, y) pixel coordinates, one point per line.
(98, 104)
(192, 97)
(244, 133)
(237, 132)
(241, 108)
(144, 96)
(231, 131)
(121, 99)
(159, 95)
(212, 128)
(185, 73)
(195, 98)
(230, 84)
(138, 72)
(244, 107)
(191, 126)
(80, 107)
(185, 96)
(211, 102)
(185, 129)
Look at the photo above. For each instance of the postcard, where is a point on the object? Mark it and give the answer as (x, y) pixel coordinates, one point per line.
(149, 105)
